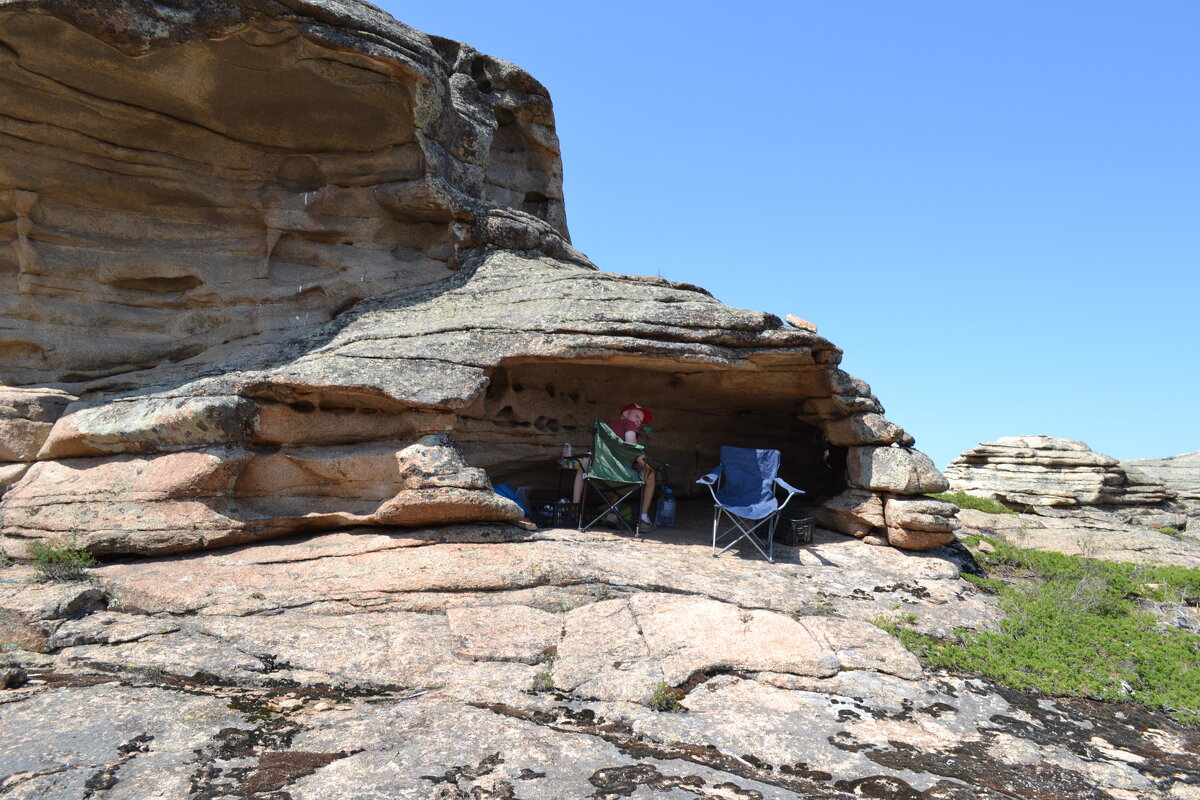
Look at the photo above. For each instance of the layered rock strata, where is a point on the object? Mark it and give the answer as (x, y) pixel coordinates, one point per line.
(281, 266)
(1043, 471)
(1179, 474)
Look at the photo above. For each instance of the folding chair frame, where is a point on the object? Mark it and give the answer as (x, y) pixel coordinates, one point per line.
(612, 505)
(741, 527)
(602, 488)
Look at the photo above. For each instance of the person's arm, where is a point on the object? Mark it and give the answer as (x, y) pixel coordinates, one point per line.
(631, 436)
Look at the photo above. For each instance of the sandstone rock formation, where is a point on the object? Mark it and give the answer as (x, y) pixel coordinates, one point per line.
(283, 265)
(1042, 471)
(1179, 474)
(477, 661)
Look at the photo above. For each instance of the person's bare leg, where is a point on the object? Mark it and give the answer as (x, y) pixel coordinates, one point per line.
(648, 494)
(577, 493)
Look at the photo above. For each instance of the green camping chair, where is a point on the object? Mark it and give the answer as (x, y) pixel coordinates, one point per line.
(612, 475)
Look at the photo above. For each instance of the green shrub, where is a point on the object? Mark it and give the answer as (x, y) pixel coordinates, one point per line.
(55, 561)
(664, 699)
(964, 500)
(1073, 627)
(1168, 530)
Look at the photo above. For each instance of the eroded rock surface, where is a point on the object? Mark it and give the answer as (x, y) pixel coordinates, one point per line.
(1045, 471)
(476, 661)
(291, 265)
(1179, 474)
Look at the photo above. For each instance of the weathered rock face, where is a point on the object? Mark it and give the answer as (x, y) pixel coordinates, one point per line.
(475, 662)
(273, 265)
(1042, 471)
(1179, 474)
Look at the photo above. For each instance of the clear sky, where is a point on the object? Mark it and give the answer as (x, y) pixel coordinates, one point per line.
(992, 206)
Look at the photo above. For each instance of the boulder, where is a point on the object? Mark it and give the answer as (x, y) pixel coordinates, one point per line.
(863, 429)
(854, 511)
(899, 470)
(303, 238)
(26, 418)
(927, 514)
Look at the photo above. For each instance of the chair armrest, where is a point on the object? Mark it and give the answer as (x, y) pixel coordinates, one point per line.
(787, 487)
(792, 491)
(711, 478)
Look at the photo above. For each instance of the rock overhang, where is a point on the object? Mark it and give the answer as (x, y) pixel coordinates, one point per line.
(473, 324)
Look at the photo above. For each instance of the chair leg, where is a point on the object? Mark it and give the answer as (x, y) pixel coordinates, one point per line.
(716, 518)
(743, 532)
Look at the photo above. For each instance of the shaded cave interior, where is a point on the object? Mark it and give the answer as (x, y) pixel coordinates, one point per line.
(516, 429)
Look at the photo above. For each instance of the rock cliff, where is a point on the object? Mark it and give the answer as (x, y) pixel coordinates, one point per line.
(272, 266)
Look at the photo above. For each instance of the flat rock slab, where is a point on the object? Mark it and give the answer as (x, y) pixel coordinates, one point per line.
(477, 661)
(1077, 535)
(859, 733)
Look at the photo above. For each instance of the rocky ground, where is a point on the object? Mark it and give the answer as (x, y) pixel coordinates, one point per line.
(1088, 532)
(479, 661)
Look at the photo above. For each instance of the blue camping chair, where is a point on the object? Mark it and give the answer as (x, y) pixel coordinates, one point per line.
(746, 498)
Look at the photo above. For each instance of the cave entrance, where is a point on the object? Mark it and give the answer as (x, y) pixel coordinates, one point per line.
(516, 429)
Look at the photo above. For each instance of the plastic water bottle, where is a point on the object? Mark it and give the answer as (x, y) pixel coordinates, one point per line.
(666, 509)
(567, 451)
(562, 513)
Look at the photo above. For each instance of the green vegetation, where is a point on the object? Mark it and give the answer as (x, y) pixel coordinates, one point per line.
(664, 698)
(1073, 626)
(257, 596)
(964, 500)
(254, 709)
(60, 562)
(1168, 530)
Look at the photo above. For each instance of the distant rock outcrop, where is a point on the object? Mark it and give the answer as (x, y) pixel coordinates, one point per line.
(283, 265)
(1179, 474)
(1043, 471)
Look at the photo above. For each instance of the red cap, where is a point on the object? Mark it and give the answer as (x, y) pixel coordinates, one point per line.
(649, 414)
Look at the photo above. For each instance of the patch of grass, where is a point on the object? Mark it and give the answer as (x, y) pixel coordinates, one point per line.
(544, 682)
(1168, 530)
(964, 500)
(820, 605)
(664, 698)
(257, 596)
(1073, 626)
(55, 561)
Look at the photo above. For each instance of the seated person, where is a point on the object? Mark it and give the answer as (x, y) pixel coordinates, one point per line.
(628, 426)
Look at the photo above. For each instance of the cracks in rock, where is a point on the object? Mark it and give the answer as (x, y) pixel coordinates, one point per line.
(105, 777)
(622, 736)
(11, 782)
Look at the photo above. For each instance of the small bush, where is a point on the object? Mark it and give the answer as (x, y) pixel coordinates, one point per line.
(1075, 626)
(1168, 530)
(60, 562)
(664, 699)
(964, 500)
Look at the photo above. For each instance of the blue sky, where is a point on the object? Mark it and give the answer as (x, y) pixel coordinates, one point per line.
(992, 207)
